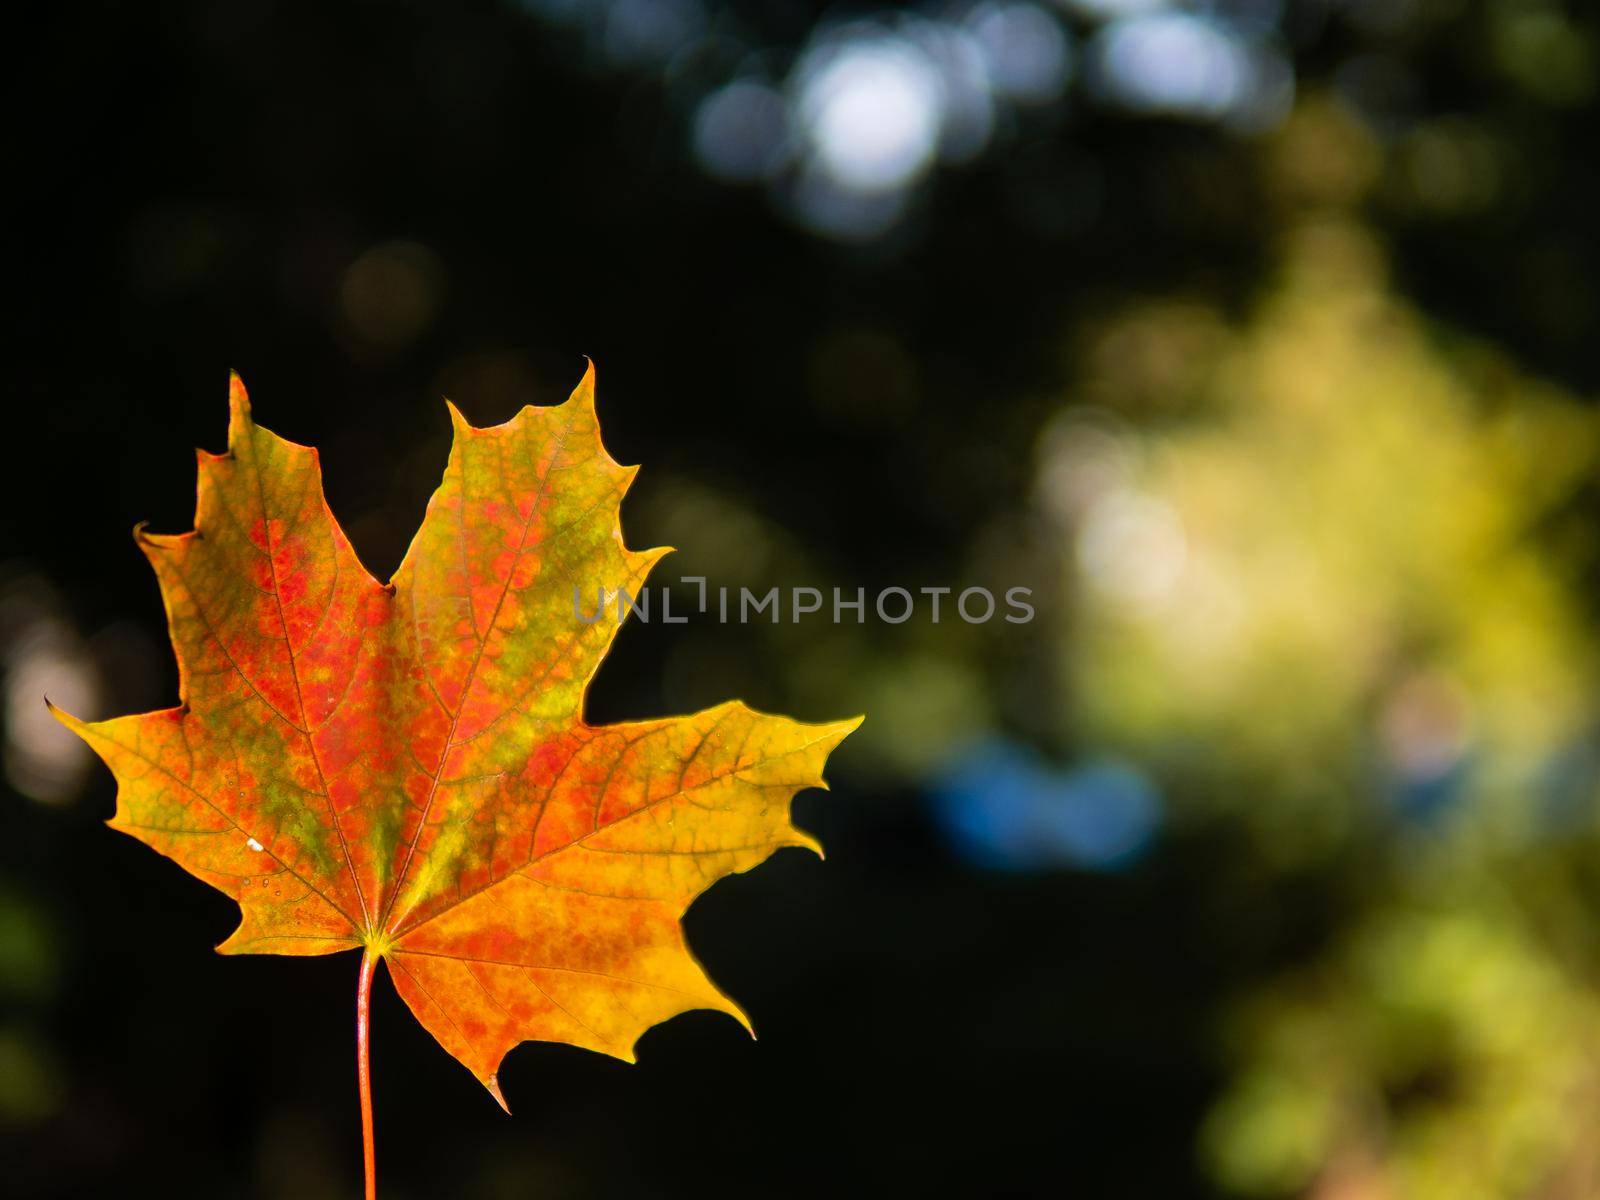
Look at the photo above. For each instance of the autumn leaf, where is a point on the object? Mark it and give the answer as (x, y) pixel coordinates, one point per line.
(405, 768)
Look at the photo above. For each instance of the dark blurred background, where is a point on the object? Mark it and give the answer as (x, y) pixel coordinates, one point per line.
(1257, 337)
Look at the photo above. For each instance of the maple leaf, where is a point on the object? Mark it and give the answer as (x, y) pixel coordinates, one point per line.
(404, 768)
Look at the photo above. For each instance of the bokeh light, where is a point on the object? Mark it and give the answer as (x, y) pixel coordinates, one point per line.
(852, 127)
(741, 132)
(43, 656)
(871, 106)
(1001, 807)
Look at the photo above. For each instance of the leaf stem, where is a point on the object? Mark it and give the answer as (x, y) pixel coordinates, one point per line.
(364, 1070)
